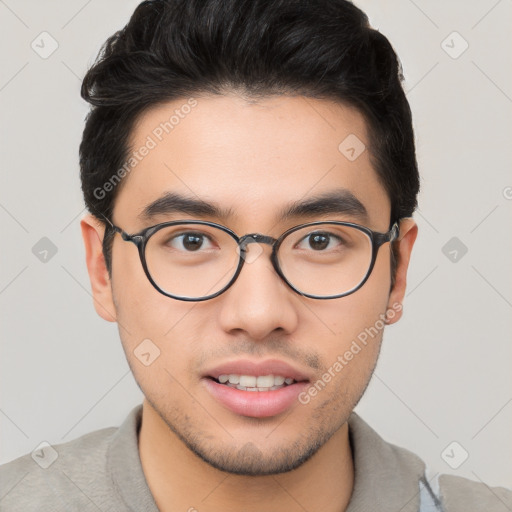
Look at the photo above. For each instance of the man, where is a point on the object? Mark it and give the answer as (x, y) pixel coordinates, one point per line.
(250, 172)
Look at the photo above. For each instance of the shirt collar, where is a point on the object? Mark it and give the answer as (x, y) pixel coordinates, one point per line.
(125, 467)
(385, 474)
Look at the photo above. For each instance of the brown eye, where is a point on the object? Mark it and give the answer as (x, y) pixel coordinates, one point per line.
(189, 242)
(319, 241)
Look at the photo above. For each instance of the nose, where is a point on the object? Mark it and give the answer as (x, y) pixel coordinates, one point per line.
(259, 302)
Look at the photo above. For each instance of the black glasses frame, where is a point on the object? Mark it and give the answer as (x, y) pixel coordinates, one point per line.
(141, 238)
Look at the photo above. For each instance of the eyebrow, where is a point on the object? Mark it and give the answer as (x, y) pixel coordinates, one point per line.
(339, 201)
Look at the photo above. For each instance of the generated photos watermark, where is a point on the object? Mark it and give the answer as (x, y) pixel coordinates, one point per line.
(357, 345)
(152, 141)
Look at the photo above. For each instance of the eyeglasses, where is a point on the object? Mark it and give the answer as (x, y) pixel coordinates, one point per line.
(198, 260)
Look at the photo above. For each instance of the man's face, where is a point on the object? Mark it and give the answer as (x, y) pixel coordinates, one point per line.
(253, 159)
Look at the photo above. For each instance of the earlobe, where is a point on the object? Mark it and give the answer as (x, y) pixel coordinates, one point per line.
(92, 234)
(404, 245)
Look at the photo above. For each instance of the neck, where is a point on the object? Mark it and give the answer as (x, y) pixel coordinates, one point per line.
(180, 481)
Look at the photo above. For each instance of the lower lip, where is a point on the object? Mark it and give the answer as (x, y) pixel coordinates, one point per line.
(256, 404)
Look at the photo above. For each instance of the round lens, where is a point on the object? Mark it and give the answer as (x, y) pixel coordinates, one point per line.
(325, 259)
(191, 260)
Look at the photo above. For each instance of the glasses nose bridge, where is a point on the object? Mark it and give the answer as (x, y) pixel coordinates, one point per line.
(256, 238)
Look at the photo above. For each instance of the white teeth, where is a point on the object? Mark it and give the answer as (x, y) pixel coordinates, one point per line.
(265, 381)
(248, 381)
(253, 383)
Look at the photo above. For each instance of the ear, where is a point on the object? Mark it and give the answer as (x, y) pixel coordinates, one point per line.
(404, 244)
(92, 234)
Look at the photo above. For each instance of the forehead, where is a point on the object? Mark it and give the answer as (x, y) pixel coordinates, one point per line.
(250, 157)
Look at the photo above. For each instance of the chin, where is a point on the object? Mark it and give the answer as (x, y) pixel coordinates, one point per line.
(249, 460)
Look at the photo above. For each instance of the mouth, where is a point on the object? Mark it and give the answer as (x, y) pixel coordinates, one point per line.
(254, 383)
(255, 389)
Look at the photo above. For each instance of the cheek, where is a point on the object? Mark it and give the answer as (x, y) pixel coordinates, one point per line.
(148, 322)
(342, 320)
(156, 340)
(352, 326)
(350, 351)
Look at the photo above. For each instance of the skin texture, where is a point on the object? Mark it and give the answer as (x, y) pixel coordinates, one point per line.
(255, 158)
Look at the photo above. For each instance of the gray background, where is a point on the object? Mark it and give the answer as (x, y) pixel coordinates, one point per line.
(444, 373)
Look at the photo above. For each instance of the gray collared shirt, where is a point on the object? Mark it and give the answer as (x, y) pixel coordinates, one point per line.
(102, 471)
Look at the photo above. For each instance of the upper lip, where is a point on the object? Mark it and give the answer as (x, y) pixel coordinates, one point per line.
(257, 368)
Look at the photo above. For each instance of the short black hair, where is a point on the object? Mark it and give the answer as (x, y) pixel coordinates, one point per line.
(172, 49)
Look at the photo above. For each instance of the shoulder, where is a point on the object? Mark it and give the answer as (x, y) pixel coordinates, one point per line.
(64, 476)
(459, 494)
(386, 473)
